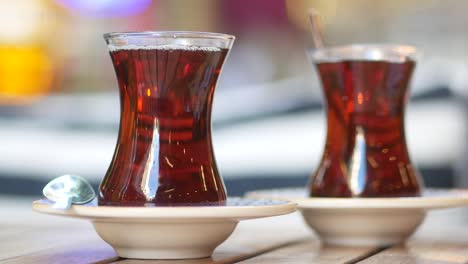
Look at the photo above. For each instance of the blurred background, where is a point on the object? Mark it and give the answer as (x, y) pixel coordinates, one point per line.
(59, 106)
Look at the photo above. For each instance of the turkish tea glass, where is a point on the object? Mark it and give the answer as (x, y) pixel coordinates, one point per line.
(164, 153)
(366, 90)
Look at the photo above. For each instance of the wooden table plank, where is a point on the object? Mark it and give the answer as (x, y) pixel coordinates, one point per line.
(225, 254)
(311, 251)
(422, 253)
(28, 242)
(90, 251)
(443, 238)
(27, 232)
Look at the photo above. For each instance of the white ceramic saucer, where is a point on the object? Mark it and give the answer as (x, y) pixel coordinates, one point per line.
(168, 232)
(366, 221)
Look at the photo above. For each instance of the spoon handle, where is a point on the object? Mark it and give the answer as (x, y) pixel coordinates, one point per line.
(63, 204)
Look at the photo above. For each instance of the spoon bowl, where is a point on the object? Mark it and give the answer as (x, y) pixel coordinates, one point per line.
(69, 189)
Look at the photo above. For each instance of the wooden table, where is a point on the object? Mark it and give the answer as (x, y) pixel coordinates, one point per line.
(29, 237)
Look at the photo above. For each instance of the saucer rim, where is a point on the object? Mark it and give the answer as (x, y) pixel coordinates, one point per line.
(332, 203)
(240, 212)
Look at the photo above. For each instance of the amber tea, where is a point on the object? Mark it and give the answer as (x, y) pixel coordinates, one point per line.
(365, 153)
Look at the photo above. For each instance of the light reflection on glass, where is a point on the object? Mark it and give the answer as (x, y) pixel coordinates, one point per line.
(149, 181)
(358, 166)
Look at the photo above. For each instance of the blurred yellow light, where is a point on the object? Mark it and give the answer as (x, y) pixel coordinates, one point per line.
(25, 73)
(297, 11)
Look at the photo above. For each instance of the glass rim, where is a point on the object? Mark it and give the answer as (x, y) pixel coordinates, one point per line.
(169, 34)
(343, 52)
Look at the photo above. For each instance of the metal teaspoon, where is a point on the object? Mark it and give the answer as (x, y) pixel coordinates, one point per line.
(67, 190)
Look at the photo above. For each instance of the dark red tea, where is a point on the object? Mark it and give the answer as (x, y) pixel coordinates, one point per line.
(365, 153)
(164, 154)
